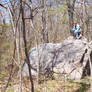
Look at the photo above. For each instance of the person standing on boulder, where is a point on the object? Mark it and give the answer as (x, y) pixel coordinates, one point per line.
(76, 30)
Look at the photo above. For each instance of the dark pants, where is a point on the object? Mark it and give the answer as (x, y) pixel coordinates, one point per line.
(76, 34)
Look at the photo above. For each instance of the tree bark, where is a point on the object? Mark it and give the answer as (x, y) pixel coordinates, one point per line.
(25, 45)
(90, 62)
(37, 50)
(70, 13)
(44, 31)
(16, 42)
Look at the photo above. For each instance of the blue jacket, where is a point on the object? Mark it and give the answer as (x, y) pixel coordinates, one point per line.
(76, 28)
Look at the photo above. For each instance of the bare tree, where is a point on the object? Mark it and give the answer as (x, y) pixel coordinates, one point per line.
(25, 45)
(90, 62)
(70, 7)
(44, 31)
(16, 39)
(87, 22)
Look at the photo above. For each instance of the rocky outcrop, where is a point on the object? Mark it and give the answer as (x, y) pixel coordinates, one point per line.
(69, 58)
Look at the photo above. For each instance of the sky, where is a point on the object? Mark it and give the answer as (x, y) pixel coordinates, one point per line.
(7, 19)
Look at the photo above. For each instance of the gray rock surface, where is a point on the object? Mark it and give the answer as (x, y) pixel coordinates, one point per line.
(69, 58)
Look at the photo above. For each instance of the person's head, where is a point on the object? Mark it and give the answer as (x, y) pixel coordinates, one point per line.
(75, 23)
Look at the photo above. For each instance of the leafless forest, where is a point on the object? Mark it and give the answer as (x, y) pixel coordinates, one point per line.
(25, 24)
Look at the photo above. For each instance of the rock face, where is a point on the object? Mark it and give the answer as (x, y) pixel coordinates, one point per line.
(69, 58)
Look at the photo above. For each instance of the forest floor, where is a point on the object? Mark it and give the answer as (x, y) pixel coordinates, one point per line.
(56, 85)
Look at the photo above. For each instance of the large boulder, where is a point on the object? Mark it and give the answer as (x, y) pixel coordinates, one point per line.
(69, 58)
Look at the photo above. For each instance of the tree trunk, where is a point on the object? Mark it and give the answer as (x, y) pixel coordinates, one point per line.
(44, 31)
(15, 31)
(37, 50)
(25, 45)
(90, 62)
(70, 13)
